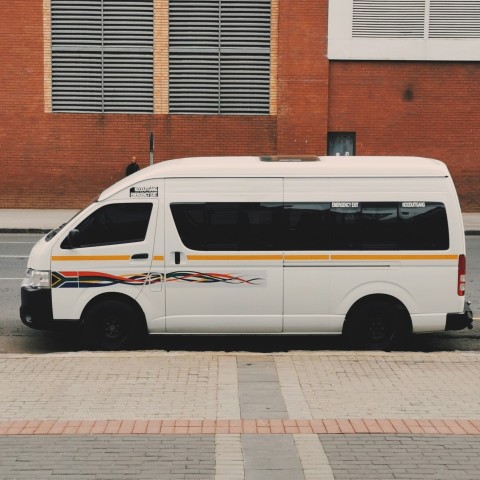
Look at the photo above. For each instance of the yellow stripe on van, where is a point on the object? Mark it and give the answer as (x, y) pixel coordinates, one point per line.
(200, 258)
(394, 257)
(233, 257)
(89, 258)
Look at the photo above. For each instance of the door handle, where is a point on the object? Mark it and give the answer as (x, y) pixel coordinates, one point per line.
(140, 256)
(177, 258)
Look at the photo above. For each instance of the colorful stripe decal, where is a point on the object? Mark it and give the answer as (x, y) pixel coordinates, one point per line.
(203, 277)
(99, 279)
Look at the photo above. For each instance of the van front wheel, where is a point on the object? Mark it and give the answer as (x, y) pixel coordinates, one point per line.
(111, 325)
(376, 326)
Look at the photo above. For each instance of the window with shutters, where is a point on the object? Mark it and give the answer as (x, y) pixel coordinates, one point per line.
(443, 30)
(388, 19)
(102, 56)
(454, 19)
(219, 56)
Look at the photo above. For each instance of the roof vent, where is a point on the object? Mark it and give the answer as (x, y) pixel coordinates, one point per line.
(290, 158)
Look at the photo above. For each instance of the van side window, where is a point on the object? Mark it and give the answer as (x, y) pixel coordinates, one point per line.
(312, 226)
(307, 226)
(389, 226)
(229, 226)
(349, 226)
(364, 226)
(114, 224)
(424, 227)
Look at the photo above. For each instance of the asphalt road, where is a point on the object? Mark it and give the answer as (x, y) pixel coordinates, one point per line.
(16, 338)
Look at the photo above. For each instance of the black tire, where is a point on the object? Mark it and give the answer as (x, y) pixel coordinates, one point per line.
(377, 325)
(112, 325)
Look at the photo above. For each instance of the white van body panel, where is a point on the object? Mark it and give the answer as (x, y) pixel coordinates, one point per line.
(79, 275)
(181, 289)
(253, 167)
(322, 294)
(221, 291)
(39, 258)
(427, 323)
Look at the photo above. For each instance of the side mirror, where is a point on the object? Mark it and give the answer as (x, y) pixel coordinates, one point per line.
(73, 238)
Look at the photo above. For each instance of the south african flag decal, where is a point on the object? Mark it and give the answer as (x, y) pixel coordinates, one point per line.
(98, 279)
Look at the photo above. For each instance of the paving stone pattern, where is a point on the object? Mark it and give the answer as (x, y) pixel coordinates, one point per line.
(236, 457)
(221, 416)
(104, 457)
(354, 457)
(151, 385)
(259, 391)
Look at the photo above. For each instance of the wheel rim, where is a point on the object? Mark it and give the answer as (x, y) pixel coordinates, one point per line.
(112, 330)
(379, 329)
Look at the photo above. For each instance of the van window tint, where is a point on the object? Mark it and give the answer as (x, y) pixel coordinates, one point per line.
(306, 226)
(424, 227)
(114, 224)
(312, 226)
(389, 226)
(229, 226)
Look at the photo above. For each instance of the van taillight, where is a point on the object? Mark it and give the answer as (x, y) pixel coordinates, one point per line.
(462, 275)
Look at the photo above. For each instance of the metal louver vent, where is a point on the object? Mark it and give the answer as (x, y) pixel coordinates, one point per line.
(102, 56)
(388, 18)
(219, 56)
(458, 19)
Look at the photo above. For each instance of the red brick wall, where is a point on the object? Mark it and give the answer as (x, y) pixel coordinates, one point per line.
(302, 77)
(64, 160)
(413, 108)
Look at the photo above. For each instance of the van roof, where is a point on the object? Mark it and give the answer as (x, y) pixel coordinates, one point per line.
(285, 166)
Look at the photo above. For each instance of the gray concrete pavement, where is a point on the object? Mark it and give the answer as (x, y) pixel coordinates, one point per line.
(184, 415)
(33, 220)
(471, 222)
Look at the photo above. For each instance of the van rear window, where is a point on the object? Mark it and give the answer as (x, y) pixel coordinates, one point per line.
(312, 226)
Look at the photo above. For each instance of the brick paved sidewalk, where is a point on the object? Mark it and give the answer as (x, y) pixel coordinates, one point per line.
(305, 415)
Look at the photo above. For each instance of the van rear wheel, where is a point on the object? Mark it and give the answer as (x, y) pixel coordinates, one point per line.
(376, 325)
(111, 325)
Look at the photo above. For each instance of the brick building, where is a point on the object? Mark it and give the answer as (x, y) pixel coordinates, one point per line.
(85, 82)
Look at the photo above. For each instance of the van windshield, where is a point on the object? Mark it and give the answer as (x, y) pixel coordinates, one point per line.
(55, 231)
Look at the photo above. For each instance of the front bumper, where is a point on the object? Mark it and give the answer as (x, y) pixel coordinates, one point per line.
(458, 321)
(36, 308)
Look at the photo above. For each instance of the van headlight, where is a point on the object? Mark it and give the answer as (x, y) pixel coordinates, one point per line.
(36, 278)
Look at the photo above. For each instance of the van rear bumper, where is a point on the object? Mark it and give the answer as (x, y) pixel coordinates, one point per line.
(458, 321)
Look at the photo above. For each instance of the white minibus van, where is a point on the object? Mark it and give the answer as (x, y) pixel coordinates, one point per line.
(371, 247)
